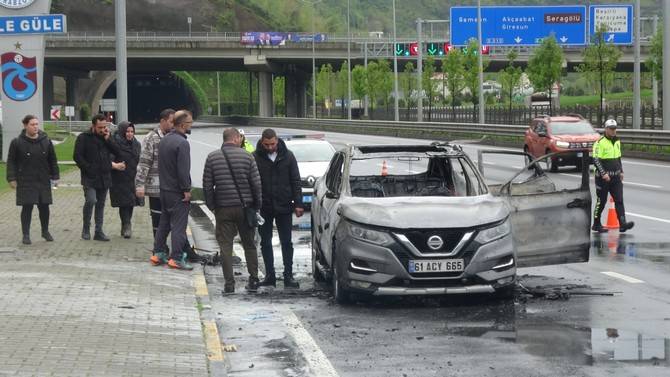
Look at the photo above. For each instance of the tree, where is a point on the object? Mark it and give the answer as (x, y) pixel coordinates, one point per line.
(471, 66)
(372, 85)
(342, 87)
(655, 59)
(407, 80)
(429, 85)
(359, 82)
(510, 78)
(278, 94)
(453, 74)
(544, 67)
(600, 60)
(385, 81)
(325, 87)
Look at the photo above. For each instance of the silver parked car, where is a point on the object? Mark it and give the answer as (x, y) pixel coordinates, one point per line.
(420, 220)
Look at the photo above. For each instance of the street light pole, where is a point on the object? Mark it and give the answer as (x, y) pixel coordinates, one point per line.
(396, 112)
(349, 59)
(636, 67)
(218, 95)
(313, 61)
(666, 65)
(480, 62)
(121, 62)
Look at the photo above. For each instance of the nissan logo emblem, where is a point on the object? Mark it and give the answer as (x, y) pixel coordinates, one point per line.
(435, 242)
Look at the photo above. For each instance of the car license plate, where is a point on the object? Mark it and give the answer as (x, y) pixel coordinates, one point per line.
(579, 154)
(307, 199)
(436, 265)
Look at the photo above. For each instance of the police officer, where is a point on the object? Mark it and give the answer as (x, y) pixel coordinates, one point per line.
(609, 177)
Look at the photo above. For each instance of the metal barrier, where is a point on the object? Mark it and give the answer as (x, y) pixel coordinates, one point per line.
(429, 130)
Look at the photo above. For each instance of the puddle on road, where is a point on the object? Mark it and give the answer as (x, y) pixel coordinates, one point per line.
(581, 346)
(616, 246)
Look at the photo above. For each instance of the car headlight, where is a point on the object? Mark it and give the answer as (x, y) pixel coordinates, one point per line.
(496, 232)
(370, 235)
(563, 144)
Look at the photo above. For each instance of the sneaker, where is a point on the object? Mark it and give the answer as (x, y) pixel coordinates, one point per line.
(289, 282)
(47, 236)
(179, 264)
(26, 239)
(252, 285)
(85, 234)
(100, 236)
(624, 226)
(599, 228)
(159, 258)
(267, 282)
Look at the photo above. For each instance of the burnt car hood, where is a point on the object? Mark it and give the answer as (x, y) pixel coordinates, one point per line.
(424, 212)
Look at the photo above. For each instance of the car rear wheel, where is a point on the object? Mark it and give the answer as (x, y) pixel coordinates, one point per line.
(342, 295)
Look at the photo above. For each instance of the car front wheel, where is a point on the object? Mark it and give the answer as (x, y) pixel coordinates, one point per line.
(342, 295)
(316, 273)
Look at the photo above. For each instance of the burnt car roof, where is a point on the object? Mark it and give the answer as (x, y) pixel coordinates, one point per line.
(443, 148)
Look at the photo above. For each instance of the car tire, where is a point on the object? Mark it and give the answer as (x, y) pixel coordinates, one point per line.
(552, 164)
(316, 273)
(341, 294)
(506, 292)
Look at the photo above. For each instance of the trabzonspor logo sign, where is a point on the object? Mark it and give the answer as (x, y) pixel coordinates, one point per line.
(15, 4)
(19, 76)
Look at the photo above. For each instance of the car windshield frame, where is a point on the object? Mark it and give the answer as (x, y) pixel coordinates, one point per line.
(471, 184)
(570, 128)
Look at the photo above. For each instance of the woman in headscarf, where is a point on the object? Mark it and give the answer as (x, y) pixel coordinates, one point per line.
(122, 192)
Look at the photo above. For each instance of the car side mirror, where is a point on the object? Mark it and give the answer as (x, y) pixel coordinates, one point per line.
(332, 195)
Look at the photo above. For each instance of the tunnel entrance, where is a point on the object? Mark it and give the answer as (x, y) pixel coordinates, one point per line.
(149, 93)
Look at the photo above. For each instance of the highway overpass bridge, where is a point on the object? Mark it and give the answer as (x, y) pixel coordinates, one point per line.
(87, 62)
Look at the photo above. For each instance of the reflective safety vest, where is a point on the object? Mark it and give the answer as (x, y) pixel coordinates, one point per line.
(605, 149)
(248, 147)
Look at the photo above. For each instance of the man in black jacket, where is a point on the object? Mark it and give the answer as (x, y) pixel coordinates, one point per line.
(31, 166)
(174, 176)
(282, 196)
(92, 153)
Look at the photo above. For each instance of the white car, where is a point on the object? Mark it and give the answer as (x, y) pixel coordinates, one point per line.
(313, 156)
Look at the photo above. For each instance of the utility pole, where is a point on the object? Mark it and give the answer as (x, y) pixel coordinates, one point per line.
(218, 95)
(365, 64)
(348, 59)
(396, 111)
(313, 62)
(121, 62)
(636, 68)
(666, 65)
(482, 104)
(419, 73)
(654, 82)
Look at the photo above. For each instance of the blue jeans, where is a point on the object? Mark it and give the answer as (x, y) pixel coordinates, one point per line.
(284, 225)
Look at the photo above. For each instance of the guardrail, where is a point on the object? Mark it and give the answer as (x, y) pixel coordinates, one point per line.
(642, 143)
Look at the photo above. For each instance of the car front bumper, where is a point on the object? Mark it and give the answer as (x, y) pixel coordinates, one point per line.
(383, 271)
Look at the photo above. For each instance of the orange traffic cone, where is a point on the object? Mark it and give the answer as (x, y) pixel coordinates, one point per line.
(612, 219)
(385, 170)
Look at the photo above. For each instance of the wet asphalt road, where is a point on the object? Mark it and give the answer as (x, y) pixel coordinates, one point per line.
(568, 320)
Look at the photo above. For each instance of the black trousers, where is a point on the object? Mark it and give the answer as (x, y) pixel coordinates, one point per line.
(27, 214)
(284, 225)
(126, 214)
(94, 198)
(155, 209)
(615, 188)
(174, 219)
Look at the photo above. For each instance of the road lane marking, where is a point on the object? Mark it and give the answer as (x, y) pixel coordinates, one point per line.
(203, 143)
(624, 183)
(648, 217)
(622, 277)
(200, 285)
(646, 164)
(317, 361)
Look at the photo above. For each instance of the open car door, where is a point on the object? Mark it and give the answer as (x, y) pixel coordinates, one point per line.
(550, 220)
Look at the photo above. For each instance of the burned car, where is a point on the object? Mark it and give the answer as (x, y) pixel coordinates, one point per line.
(421, 220)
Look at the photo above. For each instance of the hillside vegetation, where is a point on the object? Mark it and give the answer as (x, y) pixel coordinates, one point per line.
(274, 15)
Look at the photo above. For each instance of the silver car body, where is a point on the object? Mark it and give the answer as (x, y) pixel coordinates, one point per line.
(469, 243)
(313, 157)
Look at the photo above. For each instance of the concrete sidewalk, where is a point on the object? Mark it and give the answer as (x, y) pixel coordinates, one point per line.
(75, 308)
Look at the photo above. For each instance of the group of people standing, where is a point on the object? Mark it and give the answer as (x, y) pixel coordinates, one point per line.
(237, 178)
